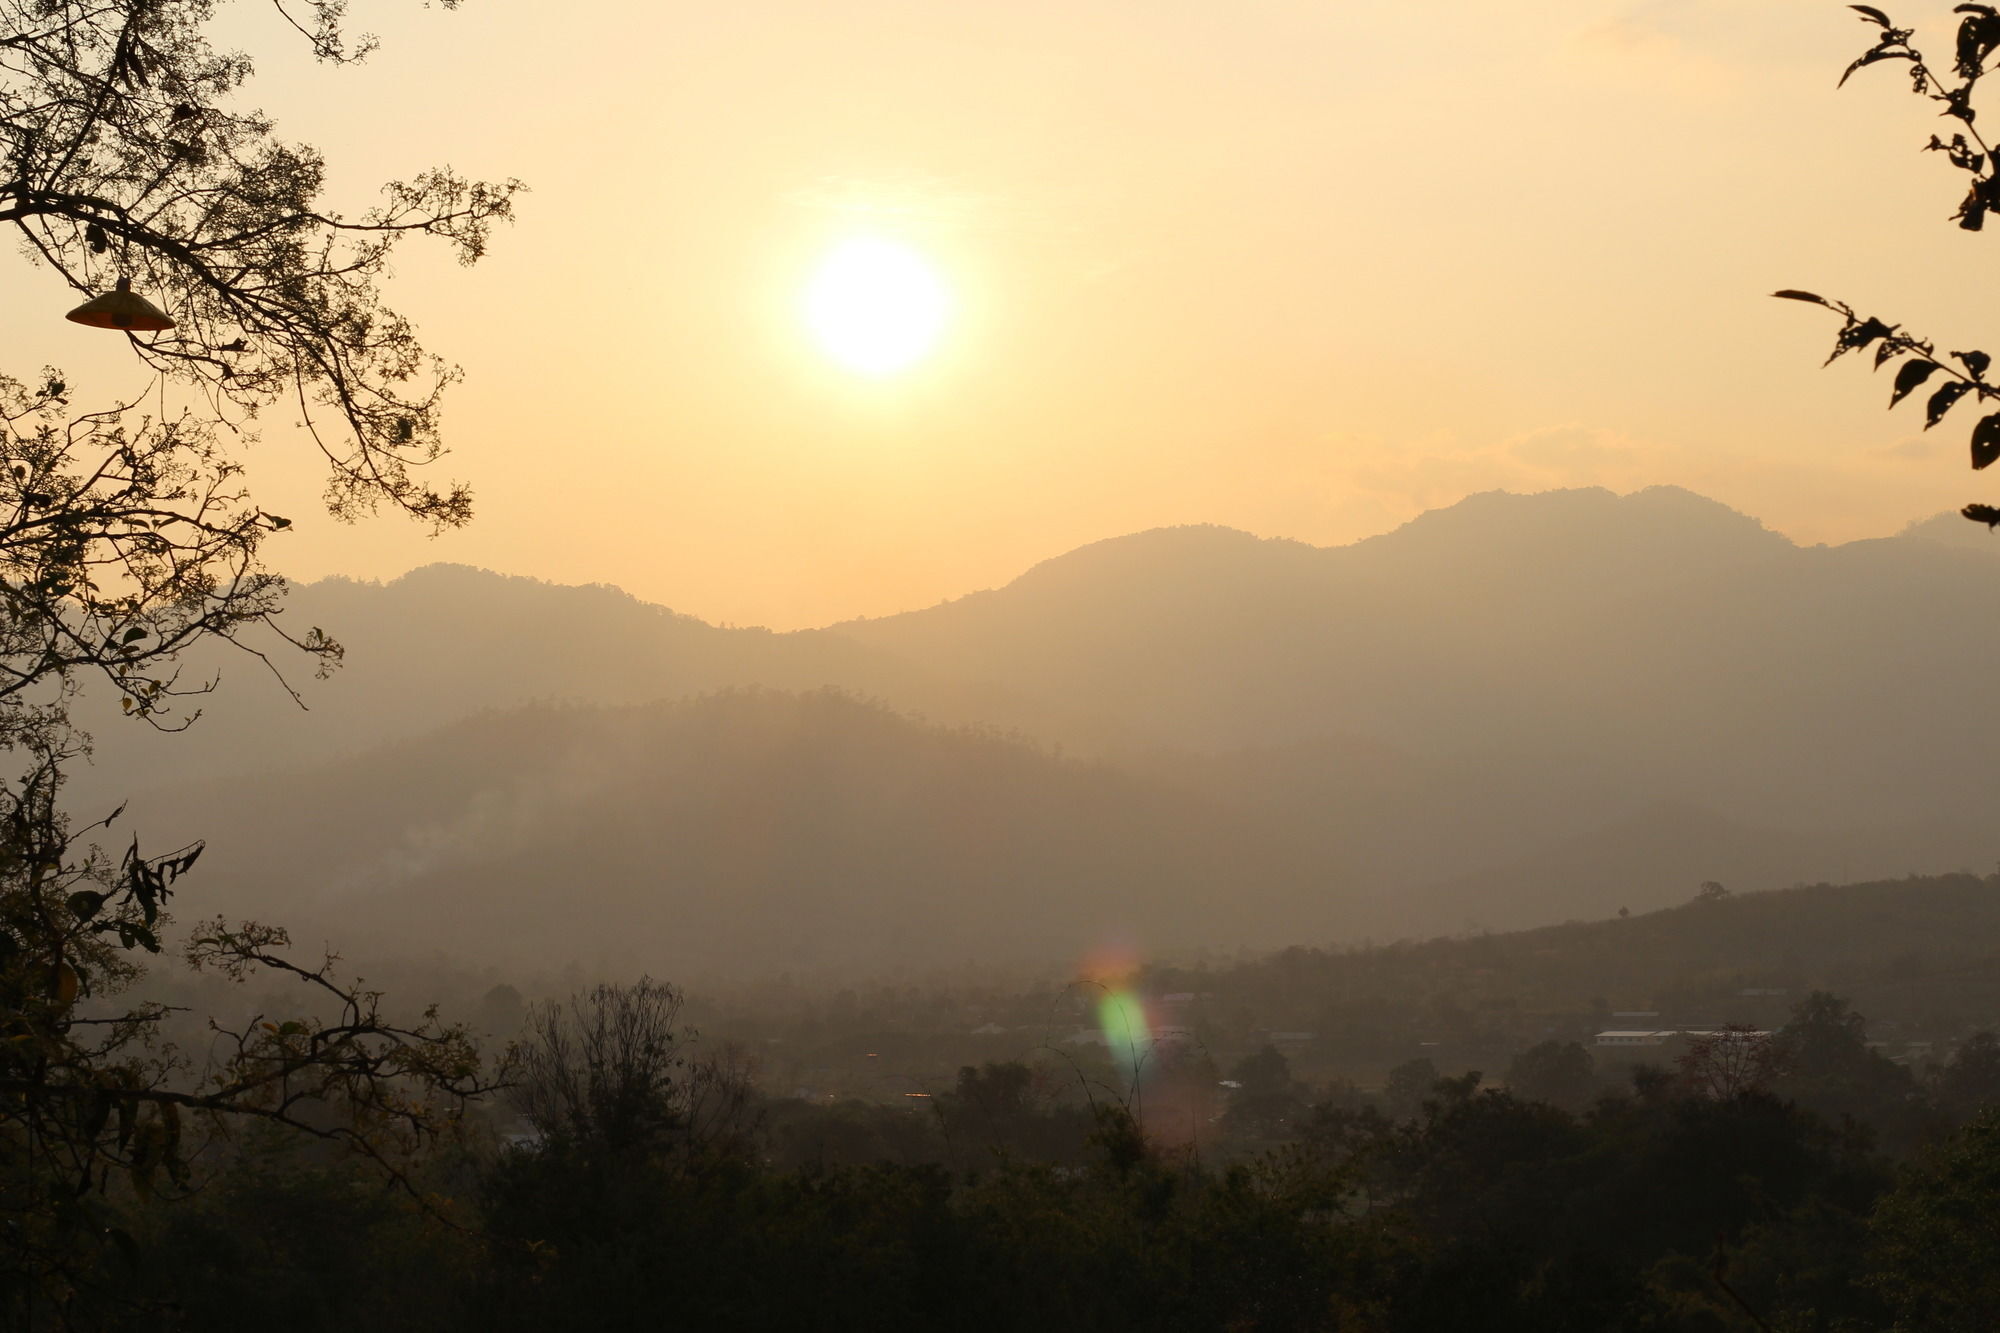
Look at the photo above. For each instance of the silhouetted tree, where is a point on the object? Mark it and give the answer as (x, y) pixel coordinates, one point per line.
(1822, 1061)
(1010, 1109)
(1269, 1101)
(129, 155)
(128, 538)
(1970, 1081)
(1560, 1073)
(614, 1073)
(1264, 1072)
(1729, 1062)
(1937, 1235)
(501, 1012)
(1408, 1085)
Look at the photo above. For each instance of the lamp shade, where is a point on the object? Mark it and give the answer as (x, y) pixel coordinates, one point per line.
(121, 308)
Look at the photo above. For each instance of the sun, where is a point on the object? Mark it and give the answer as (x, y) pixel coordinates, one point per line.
(876, 306)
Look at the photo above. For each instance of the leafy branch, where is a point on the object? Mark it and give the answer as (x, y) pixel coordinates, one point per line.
(123, 154)
(1967, 150)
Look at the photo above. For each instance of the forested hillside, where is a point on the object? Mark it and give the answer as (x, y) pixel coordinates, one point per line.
(1919, 956)
(750, 832)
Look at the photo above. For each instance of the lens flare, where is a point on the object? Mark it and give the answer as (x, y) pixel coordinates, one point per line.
(1121, 1011)
(1122, 1015)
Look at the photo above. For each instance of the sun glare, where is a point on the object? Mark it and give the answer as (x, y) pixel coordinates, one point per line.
(876, 306)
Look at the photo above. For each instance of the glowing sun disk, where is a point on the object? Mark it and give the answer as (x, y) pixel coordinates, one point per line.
(876, 306)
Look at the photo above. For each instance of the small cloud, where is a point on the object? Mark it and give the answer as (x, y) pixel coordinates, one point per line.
(1636, 28)
(1690, 48)
(1576, 453)
(1912, 449)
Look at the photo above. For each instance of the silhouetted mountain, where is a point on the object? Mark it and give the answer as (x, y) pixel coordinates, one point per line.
(1513, 708)
(447, 641)
(1604, 652)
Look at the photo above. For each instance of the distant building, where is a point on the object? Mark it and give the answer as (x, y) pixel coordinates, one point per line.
(1644, 1037)
(1735, 1034)
(1661, 1036)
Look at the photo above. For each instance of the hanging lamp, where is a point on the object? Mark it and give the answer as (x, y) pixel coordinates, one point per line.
(121, 308)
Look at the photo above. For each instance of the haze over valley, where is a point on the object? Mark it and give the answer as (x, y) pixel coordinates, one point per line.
(1513, 711)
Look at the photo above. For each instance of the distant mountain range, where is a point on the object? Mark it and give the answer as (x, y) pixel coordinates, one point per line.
(1514, 710)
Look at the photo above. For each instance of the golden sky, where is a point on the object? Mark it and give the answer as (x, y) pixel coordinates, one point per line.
(1306, 269)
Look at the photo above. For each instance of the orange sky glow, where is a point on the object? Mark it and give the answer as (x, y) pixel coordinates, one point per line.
(1305, 269)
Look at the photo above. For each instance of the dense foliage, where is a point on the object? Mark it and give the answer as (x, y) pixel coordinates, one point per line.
(1658, 1205)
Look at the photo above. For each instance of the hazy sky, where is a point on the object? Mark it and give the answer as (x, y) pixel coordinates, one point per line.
(1301, 268)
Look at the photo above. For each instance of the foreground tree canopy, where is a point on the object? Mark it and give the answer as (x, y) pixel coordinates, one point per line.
(127, 538)
(129, 157)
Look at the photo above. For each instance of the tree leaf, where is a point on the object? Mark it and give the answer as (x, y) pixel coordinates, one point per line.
(1790, 295)
(1942, 400)
(1879, 53)
(85, 904)
(1859, 334)
(1986, 442)
(1971, 214)
(1976, 362)
(1912, 374)
(1873, 14)
(133, 635)
(1977, 36)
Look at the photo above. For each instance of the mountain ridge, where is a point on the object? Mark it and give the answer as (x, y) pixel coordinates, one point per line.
(1420, 718)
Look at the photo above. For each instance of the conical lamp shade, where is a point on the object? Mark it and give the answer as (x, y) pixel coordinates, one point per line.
(121, 309)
